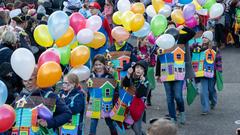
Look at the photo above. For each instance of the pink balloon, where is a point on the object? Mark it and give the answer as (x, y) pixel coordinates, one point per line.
(48, 55)
(151, 38)
(77, 22)
(191, 23)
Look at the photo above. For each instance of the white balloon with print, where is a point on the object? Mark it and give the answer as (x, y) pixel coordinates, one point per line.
(165, 41)
(123, 5)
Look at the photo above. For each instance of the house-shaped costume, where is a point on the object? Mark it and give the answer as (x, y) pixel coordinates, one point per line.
(101, 97)
(71, 128)
(27, 114)
(172, 64)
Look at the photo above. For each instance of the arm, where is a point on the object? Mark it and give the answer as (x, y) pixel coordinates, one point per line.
(142, 89)
(126, 82)
(184, 38)
(78, 105)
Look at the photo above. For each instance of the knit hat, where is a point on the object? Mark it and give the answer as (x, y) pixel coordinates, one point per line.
(208, 35)
(143, 64)
(95, 5)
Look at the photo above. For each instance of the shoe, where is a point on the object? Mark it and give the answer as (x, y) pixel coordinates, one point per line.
(204, 113)
(149, 103)
(182, 118)
(212, 106)
(173, 121)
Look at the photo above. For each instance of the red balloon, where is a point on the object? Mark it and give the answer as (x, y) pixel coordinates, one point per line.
(77, 22)
(48, 55)
(7, 117)
(168, 1)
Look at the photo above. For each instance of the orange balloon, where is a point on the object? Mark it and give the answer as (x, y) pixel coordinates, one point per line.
(137, 22)
(66, 38)
(177, 16)
(98, 41)
(157, 4)
(120, 34)
(138, 8)
(79, 56)
(48, 74)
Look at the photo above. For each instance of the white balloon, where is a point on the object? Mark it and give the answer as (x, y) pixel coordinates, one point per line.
(85, 36)
(23, 63)
(165, 41)
(82, 72)
(216, 10)
(151, 11)
(94, 23)
(123, 5)
(166, 10)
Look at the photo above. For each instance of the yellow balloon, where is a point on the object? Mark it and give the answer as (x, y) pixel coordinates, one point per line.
(42, 36)
(74, 45)
(197, 5)
(138, 8)
(157, 4)
(177, 16)
(137, 22)
(117, 18)
(126, 19)
(98, 41)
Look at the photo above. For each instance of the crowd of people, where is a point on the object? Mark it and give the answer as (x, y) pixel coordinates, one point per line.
(123, 71)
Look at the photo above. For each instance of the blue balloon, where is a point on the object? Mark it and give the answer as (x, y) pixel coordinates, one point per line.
(144, 31)
(3, 93)
(58, 24)
(185, 1)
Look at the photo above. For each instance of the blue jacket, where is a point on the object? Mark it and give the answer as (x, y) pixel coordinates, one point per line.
(5, 53)
(75, 100)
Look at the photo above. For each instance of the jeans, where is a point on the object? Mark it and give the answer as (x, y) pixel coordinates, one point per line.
(208, 93)
(109, 122)
(137, 126)
(174, 91)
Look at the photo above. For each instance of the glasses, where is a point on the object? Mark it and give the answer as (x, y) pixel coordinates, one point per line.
(66, 83)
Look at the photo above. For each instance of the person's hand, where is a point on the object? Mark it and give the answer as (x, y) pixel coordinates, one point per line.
(142, 78)
(180, 27)
(42, 122)
(129, 72)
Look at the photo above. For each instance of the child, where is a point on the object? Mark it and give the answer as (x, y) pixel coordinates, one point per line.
(206, 60)
(136, 77)
(99, 71)
(75, 100)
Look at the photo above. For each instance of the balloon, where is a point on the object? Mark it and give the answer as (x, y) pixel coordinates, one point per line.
(77, 22)
(203, 12)
(123, 5)
(137, 22)
(120, 34)
(3, 93)
(48, 55)
(157, 4)
(201, 2)
(42, 36)
(79, 56)
(165, 41)
(94, 23)
(23, 63)
(189, 11)
(151, 38)
(58, 24)
(98, 41)
(48, 74)
(158, 24)
(66, 38)
(117, 18)
(191, 23)
(216, 10)
(138, 8)
(143, 31)
(126, 19)
(174, 32)
(151, 11)
(197, 5)
(74, 43)
(7, 117)
(184, 1)
(209, 4)
(82, 72)
(44, 113)
(177, 16)
(65, 53)
(85, 36)
(168, 1)
(166, 10)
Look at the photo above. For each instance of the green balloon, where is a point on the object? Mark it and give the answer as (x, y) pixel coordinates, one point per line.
(209, 4)
(158, 24)
(65, 54)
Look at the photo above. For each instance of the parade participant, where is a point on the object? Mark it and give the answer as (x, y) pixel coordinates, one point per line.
(94, 111)
(136, 77)
(207, 60)
(75, 100)
(39, 110)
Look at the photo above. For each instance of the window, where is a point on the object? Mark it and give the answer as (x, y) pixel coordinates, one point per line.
(210, 56)
(180, 70)
(163, 69)
(209, 68)
(107, 92)
(179, 56)
(107, 108)
(160, 51)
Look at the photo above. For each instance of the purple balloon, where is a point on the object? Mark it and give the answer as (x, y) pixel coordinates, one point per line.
(201, 2)
(188, 11)
(151, 38)
(191, 23)
(44, 112)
